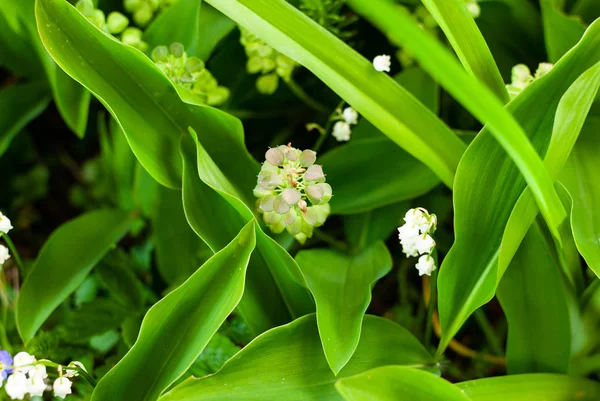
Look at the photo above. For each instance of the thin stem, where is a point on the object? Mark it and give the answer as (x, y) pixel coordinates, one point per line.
(13, 251)
(323, 236)
(431, 307)
(332, 117)
(305, 97)
(488, 332)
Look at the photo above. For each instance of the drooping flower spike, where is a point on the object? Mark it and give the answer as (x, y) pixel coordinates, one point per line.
(416, 238)
(292, 192)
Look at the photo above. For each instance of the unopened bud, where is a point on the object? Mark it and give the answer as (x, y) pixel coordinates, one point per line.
(266, 203)
(116, 22)
(177, 49)
(194, 64)
(160, 54)
(291, 196)
(308, 158)
(314, 173)
(143, 14)
(319, 194)
(280, 206)
(274, 156)
(86, 7)
(267, 84)
(291, 154)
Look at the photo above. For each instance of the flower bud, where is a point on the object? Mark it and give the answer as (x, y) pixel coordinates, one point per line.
(350, 115)
(314, 173)
(116, 22)
(319, 193)
(131, 36)
(266, 203)
(143, 14)
(280, 205)
(217, 96)
(132, 5)
(274, 156)
(98, 18)
(291, 196)
(177, 49)
(85, 7)
(308, 158)
(194, 64)
(342, 131)
(267, 84)
(291, 154)
(160, 54)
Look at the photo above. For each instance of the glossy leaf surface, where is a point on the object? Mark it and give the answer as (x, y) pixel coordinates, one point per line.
(177, 328)
(341, 285)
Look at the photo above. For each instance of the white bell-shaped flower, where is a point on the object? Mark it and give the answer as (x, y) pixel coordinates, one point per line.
(350, 115)
(24, 362)
(382, 63)
(341, 131)
(425, 244)
(5, 225)
(425, 265)
(17, 386)
(4, 254)
(62, 387)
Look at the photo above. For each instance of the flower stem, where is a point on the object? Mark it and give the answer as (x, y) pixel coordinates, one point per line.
(488, 332)
(302, 95)
(332, 117)
(432, 300)
(13, 251)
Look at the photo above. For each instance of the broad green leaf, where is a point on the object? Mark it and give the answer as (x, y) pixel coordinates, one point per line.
(364, 229)
(379, 174)
(17, 52)
(468, 43)
(214, 26)
(20, 104)
(396, 175)
(116, 274)
(178, 327)
(588, 9)
(72, 100)
(561, 32)
(287, 363)
(399, 25)
(398, 383)
(93, 319)
(145, 103)
(534, 299)
(274, 292)
(532, 387)
(580, 177)
(341, 285)
(488, 185)
(374, 95)
(178, 23)
(179, 251)
(63, 263)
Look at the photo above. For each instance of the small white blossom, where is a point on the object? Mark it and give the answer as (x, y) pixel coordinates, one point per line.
(350, 115)
(382, 63)
(409, 247)
(5, 225)
(473, 8)
(416, 217)
(36, 386)
(24, 362)
(342, 131)
(425, 244)
(543, 69)
(4, 254)
(408, 232)
(62, 387)
(38, 371)
(17, 386)
(425, 265)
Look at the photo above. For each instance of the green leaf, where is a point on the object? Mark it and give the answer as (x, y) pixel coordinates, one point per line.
(116, 274)
(93, 319)
(178, 327)
(588, 9)
(534, 299)
(64, 262)
(480, 101)
(145, 103)
(17, 52)
(178, 23)
(287, 363)
(365, 229)
(179, 251)
(214, 26)
(394, 177)
(398, 383)
(580, 177)
(20, 104)
(374, 95)
(532, 387)
(488, 186)
(341, 285)
(561, 32)
(72, 100)
(274, 293)
(468, 43)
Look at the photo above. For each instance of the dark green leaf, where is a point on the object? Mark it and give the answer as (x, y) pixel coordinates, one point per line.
(64, 262)
(178, 23)
(178, 327)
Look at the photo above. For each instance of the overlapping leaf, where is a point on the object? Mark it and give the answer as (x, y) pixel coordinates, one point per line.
(287, 363)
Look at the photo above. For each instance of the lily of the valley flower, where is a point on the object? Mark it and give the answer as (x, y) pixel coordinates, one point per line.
(62, 387)
(5, 225)
(521, 77)
(342, 129)
(382, 63)
(415, 237)
(4, 254)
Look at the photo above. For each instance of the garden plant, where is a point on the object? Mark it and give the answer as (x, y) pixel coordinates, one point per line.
(300, 200)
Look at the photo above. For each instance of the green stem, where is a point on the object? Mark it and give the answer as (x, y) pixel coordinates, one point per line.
(323, 236)
(332, 118)
(488, 332)
(432, 300)
(302, 95)
(13, 251)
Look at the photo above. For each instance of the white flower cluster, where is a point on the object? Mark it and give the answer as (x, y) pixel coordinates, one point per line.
(5, 227)
(341, 129)
(415, 237)
(28, 376)
(521, 77)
